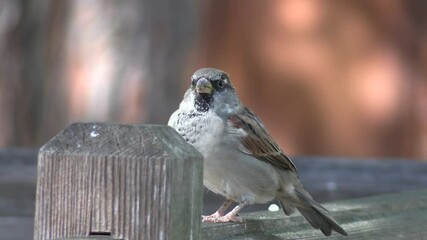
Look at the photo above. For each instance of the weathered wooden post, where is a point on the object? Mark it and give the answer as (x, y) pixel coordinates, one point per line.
(109, 181)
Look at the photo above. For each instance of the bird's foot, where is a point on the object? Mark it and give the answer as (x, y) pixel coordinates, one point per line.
(217, 218)
(214, 215)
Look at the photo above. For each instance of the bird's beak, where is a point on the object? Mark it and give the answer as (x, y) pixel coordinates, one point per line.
(204, 86)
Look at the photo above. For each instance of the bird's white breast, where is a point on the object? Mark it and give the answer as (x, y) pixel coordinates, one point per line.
(227, 170)
(202, 130)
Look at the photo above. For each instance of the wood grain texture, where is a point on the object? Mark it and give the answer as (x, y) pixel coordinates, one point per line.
(389, 216)
(88, 238)
(118, 181)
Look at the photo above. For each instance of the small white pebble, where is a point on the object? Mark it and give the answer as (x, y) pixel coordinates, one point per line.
(273, 208)
(94, 134)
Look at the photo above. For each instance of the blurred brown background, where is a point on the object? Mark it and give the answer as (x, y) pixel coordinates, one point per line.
(332, 77)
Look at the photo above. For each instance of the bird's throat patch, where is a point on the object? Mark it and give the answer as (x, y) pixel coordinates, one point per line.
(203, 102)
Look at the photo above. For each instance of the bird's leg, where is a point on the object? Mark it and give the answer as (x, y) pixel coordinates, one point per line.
(231, 216)
(220, 212)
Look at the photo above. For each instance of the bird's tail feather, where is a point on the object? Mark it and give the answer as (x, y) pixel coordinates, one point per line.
(287, 208)
(313, 212)
(321, 221)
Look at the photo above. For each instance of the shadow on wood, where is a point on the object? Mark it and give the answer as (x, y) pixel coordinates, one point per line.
(118, 182)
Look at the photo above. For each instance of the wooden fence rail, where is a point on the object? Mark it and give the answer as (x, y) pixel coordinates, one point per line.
(388, 216)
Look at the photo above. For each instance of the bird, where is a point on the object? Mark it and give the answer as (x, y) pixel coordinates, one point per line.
(242, 162)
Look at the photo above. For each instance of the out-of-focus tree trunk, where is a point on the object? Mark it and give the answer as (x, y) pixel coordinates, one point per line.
(65, 61)
(32, 93)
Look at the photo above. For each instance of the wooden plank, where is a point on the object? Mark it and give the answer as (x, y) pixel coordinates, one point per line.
(389, 216)
(89, 238)
(328, 179)
(118, 181)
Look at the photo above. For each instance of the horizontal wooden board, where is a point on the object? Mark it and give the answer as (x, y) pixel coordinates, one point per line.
(327, 179)
(389, 216)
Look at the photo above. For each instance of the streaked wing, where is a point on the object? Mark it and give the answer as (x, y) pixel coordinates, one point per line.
(257, 141)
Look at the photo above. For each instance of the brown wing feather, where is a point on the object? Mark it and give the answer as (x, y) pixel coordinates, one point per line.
(258, 143)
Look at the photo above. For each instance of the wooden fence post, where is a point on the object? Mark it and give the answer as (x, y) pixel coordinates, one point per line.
(109, 181)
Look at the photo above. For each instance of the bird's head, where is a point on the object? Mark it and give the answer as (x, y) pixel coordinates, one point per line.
(212, 89)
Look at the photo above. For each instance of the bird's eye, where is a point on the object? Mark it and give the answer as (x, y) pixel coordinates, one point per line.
(220, 83)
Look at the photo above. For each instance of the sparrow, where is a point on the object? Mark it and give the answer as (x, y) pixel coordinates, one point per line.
(242, 162)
